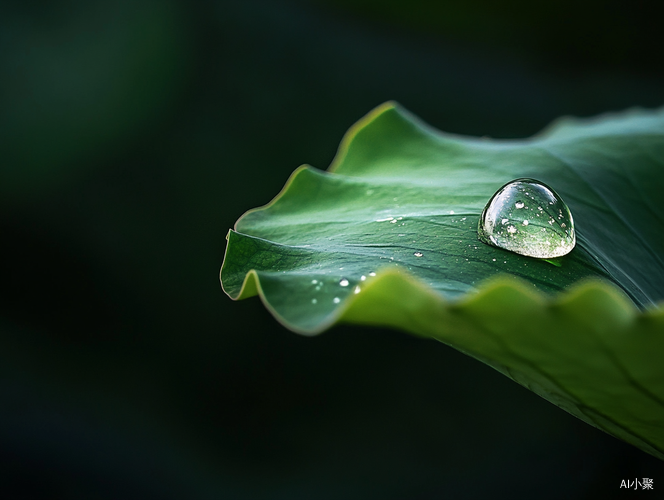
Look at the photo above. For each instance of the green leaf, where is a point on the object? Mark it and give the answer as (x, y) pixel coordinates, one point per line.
(388, 236)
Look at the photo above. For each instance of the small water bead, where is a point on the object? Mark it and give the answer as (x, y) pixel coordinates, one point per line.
(362, 278)
(507, 222)
(418, 254)
(372, 274)
(336, 300)
(343, 282)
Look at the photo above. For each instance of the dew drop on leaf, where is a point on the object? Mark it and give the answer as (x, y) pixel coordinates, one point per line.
(343, 282)
(418, 254)
(530, 238)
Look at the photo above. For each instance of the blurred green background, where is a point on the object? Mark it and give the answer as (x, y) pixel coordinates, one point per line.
(134, 133)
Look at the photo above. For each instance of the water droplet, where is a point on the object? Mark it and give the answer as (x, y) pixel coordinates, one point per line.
(313, 301)
(356, 290)
(336, 300)
(393, 221)
(418, 254)
(372, 274)
(451, 212)
(385, 219)
(362, 278)
(499, 221)
(343, 282)
(314, 281)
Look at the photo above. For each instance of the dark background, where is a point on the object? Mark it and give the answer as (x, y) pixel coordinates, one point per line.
(134, 133)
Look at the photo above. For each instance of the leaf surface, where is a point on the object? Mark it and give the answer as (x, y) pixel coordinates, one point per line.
(388, 236)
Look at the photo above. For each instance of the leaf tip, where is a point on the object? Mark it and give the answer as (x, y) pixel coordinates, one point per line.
(362, 123)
